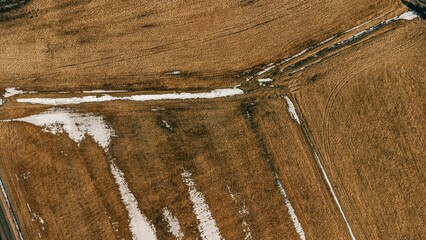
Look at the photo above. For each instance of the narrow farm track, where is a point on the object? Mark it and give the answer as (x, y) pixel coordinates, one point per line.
(237, 131)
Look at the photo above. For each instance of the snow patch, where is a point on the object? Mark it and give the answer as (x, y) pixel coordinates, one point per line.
(336, 199)
(157, 109)
(167, 125)
(12, 92)
(26, 175)
(217, 93)
(173, 222)
(140, 227)
(243, 212)
(292, 110)
(327, 40)
(268, 67)
(410, 15)
(290, 210)
(295, 55)
(265, 80)
(177, 72)
(9, 92)
(362, 24)
(207, 225)
(76, 125)
(35, 216)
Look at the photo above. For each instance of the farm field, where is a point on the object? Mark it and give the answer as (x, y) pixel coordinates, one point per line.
(73, 45)
(225, 120)
(234, 175)
(366, 118)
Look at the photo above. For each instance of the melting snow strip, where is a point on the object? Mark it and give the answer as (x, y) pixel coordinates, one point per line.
(206, 223)
(140, 227)
(177, 72)
(292, 110)
(327, 40)
(243, 212)
(293, 114)
(290, 209)
(308, 65)
(410, 15)
(217, 93)
(264, 80)
(267, 69)
(167, 125)
(14, 91)
(173, 222)
(77, 126)
(324, 173)
(362, 24)
(35, 216)
(295, 55)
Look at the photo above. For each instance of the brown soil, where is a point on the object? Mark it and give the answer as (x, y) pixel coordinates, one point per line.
(101, 44)
(366, 117)
(362, 110)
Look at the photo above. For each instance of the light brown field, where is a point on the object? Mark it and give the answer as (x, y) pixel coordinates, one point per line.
(366, 116)
(362, 110)
(153, 158)
(70, 44)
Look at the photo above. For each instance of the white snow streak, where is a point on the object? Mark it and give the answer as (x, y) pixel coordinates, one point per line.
(290, 210)
(362, 24)
(308, 65)
(217, 93)
(243, 212)
(77, 126)
(167, 125)
(140, 227)
(12, 92)
(206, 223)
(292, 110)
(177, 72)
(269, 67)
(327, 40)
(293, 114)
(264, 80)
(325, 175)
(173, 222)
(295, 55)
(35, 216)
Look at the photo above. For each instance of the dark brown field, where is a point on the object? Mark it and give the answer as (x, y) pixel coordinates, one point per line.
(346, 163)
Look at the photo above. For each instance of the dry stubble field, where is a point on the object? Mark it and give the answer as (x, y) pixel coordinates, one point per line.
(347, 162)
